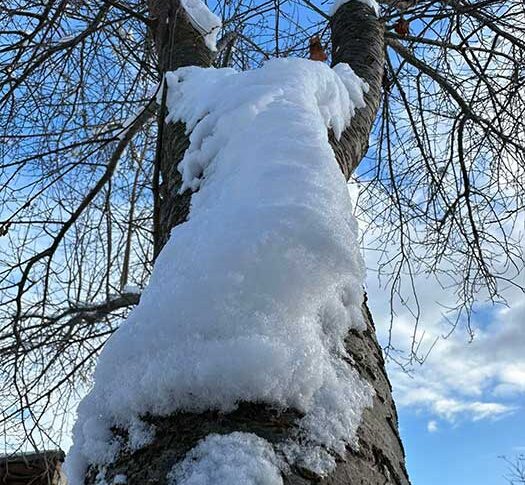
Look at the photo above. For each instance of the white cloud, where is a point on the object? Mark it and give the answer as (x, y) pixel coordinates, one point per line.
(460, 379)
(450, 408)
(432, 426)
(477, 380)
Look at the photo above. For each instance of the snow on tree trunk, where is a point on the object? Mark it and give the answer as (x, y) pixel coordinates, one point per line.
(278, 411)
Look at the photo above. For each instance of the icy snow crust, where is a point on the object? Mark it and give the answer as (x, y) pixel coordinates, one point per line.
(251, 298)
(233, 459)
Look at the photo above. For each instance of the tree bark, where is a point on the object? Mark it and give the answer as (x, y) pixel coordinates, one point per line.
(177, 44)
(357, 40)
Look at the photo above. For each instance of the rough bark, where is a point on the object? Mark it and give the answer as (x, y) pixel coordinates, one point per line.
(177, 44)
(358, 40)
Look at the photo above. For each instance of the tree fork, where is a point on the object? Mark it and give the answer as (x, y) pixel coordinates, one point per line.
(357, 38)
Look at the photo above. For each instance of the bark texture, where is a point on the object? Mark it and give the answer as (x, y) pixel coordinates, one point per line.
(357, 40)
(177, 44)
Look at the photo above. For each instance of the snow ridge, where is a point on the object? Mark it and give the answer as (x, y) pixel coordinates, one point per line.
(252, 297)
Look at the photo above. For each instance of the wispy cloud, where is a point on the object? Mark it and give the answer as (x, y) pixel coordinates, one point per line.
(432, 426)
(478, 380)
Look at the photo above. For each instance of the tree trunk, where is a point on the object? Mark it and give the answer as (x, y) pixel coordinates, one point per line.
(178, 44)
(357, 40)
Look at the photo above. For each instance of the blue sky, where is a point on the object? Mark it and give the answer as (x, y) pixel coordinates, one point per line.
(465, 453)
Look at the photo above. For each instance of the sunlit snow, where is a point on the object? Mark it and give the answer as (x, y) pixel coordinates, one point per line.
(204, 20)
(251, 298)
(338, 3)
(233, 459)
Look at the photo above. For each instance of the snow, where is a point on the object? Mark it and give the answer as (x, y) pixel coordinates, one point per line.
(233, 459)
(204, 20)
(100, 478)
(66, 38)
(134, 116)
(135, 290)
(252, 297)
(140, 434)
(120, 479)
(343, 93)
(338, 3)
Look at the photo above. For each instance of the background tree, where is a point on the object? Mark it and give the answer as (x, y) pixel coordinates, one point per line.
(87, 194)
(515, 470)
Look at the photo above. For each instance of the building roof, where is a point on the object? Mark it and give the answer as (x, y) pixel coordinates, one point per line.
(42, 468)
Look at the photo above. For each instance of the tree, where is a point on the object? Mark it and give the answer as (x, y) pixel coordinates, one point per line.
(449, 159)
(515, 470)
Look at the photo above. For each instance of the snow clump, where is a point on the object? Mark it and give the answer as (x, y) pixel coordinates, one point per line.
(233, 459)
(204, 21)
